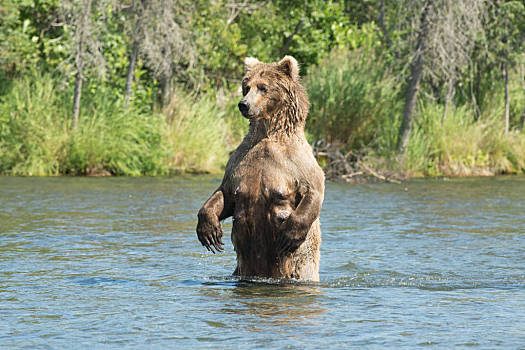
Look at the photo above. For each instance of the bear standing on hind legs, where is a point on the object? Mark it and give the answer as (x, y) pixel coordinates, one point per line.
(272, 186)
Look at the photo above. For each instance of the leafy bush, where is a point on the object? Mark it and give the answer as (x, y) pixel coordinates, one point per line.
(197, 134)
(353, 99)
(461, 146)
(36, 139)
(33, 128)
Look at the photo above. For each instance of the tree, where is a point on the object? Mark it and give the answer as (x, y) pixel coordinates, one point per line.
(84, 28)
(17, 50)
(444, 36)
(452, 42)
(416, 71)
(228, 31)
(167, 43)
(507, 33)
(135, 29)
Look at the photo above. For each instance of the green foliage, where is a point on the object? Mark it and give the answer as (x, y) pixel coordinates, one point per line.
(198, 133)
(493, 105)
(221, 51)
(36, 139)
(305, 29)
(352, 98)
(18, 52)
(462, 146)
(507, 30)
(33, 128)
(503, 43)
(357, 104)
(356, 82)
(194, 133)
(121, 141)
(355, 37)
(47, 37)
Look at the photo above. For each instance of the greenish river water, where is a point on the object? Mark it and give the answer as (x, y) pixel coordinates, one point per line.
(115, 263)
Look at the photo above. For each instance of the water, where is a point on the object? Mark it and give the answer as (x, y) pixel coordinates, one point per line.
(115, 263)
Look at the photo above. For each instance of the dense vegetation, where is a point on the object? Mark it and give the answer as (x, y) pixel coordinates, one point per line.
(132, 87)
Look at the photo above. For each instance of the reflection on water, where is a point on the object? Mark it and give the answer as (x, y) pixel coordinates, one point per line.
(275, 305)
(112, 263)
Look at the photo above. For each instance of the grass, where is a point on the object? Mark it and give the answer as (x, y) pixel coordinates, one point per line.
(356, 105)
(353, 99)
(193, 134)
(201, 132)
(465, 146)
(461, 146)
(458, 146)
(33, 128)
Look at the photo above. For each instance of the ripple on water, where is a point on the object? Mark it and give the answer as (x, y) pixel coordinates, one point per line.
(114, 263)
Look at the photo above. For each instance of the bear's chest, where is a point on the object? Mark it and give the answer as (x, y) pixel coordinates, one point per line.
(263, 187)
(262, 173)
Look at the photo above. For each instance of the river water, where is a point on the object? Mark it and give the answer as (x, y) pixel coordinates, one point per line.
(115, 263)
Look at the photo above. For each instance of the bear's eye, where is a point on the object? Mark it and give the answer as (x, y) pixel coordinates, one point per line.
(245, 89)
(262, 89)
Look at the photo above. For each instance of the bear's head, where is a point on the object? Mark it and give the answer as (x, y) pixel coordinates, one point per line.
(273, 95)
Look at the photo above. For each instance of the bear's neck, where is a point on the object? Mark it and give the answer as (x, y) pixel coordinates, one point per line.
(285, 124)
(264, 129)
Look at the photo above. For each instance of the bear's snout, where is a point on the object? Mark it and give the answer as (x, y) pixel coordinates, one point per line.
(244, 108)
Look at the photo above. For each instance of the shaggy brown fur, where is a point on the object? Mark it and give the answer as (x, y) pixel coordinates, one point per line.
(273, 186)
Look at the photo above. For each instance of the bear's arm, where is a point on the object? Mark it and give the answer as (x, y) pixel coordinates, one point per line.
(296, 227)
(215, 209)
(308, 208)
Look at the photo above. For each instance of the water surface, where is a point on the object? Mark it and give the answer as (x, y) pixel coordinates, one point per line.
(115, 263)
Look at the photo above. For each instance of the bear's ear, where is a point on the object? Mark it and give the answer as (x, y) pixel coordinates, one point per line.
(250, 62)
(289, 66)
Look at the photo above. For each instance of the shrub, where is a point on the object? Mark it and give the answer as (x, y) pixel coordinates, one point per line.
(353, 99)
(461, 146)
(33, 128)
(200, 132)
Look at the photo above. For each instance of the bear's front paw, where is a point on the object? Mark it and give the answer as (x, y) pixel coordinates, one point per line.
(210, 236)
(288, 243)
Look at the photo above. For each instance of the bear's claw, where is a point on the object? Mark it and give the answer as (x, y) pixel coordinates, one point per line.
(286, 244)
(211, 237)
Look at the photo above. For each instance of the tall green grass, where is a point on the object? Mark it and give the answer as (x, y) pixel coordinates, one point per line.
(354, 99)
(461, 146)
(33, 128)
(194, 133)
(118, 140)
(201, 131)
(357, 105)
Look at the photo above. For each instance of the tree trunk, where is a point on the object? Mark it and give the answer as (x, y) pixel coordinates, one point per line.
(507, 97)
(131, 70)
(76, 99)
(474, 84)
(287, 41)
(382, 25)
(79, 62)
(165, 88)
(522, 120)
(416, 72)
(522, 81)
(450, 93)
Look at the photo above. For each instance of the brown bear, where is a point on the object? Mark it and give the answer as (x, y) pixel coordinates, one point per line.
(272, 186)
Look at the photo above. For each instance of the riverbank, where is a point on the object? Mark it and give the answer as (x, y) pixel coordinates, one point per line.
(356, 108)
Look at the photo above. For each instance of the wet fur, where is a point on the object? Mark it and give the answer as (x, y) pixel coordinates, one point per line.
(272, 186)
